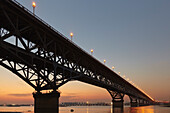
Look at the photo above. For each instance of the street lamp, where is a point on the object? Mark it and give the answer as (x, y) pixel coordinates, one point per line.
(71, 34)
(113, 67)
(33, 5)
(104, 61)
(87, 103)
(91, 51)
(119, 73)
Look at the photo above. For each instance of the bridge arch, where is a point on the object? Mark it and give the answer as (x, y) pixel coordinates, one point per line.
(86, 92)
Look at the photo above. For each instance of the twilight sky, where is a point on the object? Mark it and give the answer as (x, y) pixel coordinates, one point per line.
(133, 36)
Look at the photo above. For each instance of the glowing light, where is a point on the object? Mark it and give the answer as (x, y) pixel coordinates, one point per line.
(91, 51)
(71, 34)
(111, 103)
(119, 73)
(113, 67)
(104, 61)
(33, 4)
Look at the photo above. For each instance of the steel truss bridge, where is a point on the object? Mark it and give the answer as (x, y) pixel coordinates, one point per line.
(46, 59)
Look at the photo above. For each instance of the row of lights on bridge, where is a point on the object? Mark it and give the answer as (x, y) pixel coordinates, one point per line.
(124, 77)
(71, 35)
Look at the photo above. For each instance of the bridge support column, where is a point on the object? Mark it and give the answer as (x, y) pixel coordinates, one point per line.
(117, 103)
(141, 103)
(133, 102)
(147, 102)
(117, 99)
(46, 103)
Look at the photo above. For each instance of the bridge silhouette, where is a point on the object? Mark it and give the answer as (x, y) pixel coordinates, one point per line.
(46, 60)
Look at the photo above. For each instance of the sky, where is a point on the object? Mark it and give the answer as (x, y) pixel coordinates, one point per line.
(132, 35)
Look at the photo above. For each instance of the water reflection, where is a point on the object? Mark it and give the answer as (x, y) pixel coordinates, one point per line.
(117, 110)
(95, 109)
(144, 109)
(148, 109)
(87, 110)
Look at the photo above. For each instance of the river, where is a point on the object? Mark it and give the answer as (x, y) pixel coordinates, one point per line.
(94, 109)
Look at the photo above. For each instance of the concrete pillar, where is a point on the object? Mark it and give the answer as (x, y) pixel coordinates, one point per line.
(118, 103)
(133, 102)
(46, 103)
(147, 102)
(117, 110)
(141, 103)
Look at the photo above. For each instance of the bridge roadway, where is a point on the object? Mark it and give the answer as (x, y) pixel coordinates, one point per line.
(46, 59)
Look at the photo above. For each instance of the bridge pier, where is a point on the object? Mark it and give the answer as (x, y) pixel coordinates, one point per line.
(141, 102)
(147, 102)
(117, 99)
(46, 103)
(133, 102)
(117, 103)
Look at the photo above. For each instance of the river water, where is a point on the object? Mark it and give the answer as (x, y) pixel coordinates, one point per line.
(94, 109)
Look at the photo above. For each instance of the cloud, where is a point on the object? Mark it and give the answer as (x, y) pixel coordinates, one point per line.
(69, 97)
(20, 95)
(69, 94)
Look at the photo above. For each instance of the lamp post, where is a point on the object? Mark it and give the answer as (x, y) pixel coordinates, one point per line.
(87, 103)
(33, 5)
(91, 51)
(119, 73)
(71, 34)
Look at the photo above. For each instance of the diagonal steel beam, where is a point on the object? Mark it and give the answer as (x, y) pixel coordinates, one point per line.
(18, 74)
(8, 18)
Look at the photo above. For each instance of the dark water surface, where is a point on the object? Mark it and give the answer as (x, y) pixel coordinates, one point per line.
(95, 109)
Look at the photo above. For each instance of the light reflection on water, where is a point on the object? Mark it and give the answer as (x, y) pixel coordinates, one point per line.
(95, 109)
(107, 109)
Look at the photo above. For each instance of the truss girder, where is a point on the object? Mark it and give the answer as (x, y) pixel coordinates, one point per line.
(46, 59)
